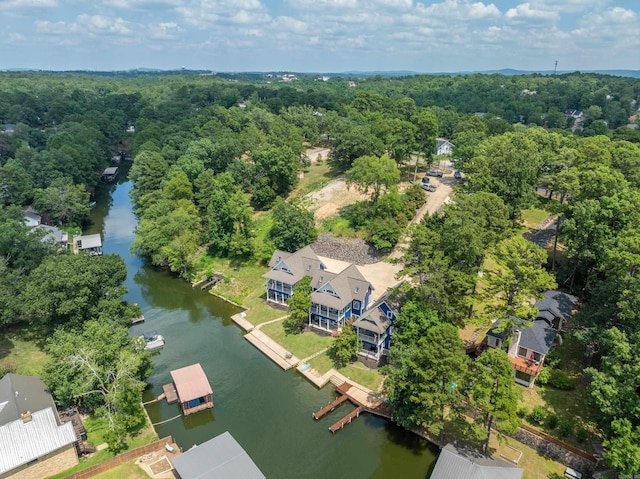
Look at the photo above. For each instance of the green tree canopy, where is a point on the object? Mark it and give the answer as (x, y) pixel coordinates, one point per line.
(293, 226)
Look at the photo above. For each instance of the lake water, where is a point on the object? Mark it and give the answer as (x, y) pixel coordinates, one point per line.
(267, 410)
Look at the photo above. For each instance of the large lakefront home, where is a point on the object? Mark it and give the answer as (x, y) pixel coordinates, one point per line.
(340, 293)
(528, 343)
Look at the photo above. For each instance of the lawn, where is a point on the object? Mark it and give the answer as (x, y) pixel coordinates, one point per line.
(20, 355)
(301, 345)
(316, 176)
(535, 466)
(532, 217)
(130, 470)
(357, 372)
(571, 405)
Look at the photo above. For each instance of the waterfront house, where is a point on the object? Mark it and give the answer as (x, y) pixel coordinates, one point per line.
(338, 297)
(33, 440)
(374, 328)
(54, 234)
(528, 343)
(289, 268)
(443, 146)
(110, 173)
(91, 244)
(193, 389)
(31, 217)
(458, 461)
(219, 458)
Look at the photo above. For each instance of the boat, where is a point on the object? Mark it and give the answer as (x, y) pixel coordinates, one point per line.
(152, 341)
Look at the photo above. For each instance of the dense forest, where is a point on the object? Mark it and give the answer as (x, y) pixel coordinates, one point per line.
(214, 154)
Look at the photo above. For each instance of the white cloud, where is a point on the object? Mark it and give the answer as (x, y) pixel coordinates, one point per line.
(524, 11)
(210, 12)
(26, 4)
(164, 31)
(142, 4)
(55, 28)
(99, 24)
(291, 24)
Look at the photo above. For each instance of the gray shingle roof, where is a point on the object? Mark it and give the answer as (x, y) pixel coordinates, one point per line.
(349, 285)
(462, 462)
(374, 319)
(218, 458)
(22, 442)
(292, 267)
(564, 303)
(19, 393)
(539, 337)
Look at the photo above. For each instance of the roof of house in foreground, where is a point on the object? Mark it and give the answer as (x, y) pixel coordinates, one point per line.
(20, 393)
(22, 442)
(457, 461)
(219, 458)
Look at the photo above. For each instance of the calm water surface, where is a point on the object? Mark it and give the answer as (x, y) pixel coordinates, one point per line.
(267, 410)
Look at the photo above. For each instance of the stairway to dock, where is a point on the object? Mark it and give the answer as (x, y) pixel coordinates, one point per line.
(347, 419)
(330, 407)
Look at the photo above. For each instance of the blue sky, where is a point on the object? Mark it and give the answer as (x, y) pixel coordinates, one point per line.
(320, 35)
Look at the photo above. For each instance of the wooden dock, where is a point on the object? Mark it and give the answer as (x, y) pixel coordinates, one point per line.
(365, 400)
(170, 393)
(330, 407)
(347, 419)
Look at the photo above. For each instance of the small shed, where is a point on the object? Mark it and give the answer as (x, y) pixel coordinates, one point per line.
(110, 173)
(218, 458)
(193, 388)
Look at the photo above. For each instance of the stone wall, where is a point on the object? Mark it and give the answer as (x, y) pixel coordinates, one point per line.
(46, 466)
(558, 451)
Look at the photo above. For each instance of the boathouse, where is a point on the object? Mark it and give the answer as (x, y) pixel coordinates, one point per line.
(110, 173)
(218, 458)
(193, 389)
(459, 460)
(91, 244)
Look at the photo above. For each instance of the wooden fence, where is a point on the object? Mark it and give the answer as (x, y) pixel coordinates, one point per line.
(121, 459)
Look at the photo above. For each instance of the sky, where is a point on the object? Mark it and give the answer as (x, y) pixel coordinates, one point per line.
(320, 35)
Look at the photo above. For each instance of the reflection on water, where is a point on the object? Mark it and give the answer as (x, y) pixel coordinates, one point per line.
(267, 410)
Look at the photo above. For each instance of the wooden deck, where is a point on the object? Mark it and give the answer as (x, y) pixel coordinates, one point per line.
(526, 366)
(347, 419)
(170, 393)
(199, 407)
(330, 407)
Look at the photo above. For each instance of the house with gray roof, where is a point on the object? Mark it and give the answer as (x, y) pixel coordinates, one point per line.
(458, 461)
(374, 328)
(338, 297)
(219, 458)
(443, 146)
(527, 342)
(91, 244)
(289, 268)
(56, 235)
(33, 440)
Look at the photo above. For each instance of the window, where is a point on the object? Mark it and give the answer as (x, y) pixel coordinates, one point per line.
(522, 352)
(308, 267)
(389, 314)
(493, 342)
(356, 291)
(356, 305)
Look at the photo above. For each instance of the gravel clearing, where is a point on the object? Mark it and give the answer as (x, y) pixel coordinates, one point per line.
(353, 250)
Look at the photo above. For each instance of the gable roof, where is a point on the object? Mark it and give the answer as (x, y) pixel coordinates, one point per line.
(22, 442)
(191, 382)
(219, 458)
(559, 303)
(292, 267)
(19, 393)
(462, 462)
(348, 285)
(537, 336)
(374, 319)
(53, 233)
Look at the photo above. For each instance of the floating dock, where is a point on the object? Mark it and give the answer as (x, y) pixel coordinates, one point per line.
(170, 393)
(347, 419)
(330, 407)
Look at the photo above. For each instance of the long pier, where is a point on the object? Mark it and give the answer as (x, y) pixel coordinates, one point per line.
(365, 400)
(330, 407)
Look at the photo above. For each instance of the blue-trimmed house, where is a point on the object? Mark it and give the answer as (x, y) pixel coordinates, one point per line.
(338, 297)
(289, 268)
(374, 328)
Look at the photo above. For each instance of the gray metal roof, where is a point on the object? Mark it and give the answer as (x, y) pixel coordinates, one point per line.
(462, 462)
(218, 458)
(89, 241)
(19, 393)
(22, 442)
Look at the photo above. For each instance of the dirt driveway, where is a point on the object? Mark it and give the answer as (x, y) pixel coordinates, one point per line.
(328, 201)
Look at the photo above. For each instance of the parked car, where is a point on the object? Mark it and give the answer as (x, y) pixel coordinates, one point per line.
(434, 173)
(425, 180)
(428, 187)
(457, 175)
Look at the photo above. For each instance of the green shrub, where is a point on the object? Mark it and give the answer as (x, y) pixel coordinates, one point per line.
(552, 360)
(543, 376)
(552, 421)
(538, 414)
(522, 412)
(566, 427)
(581, 434)
(561, 380)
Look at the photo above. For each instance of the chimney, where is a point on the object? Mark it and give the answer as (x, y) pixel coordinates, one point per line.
(26, 417)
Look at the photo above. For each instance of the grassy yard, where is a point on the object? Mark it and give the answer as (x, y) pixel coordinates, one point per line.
(316, 176)
(340, 226)
(301, 345)
(532, 217)
(357, 372)
(130, 470)
(569, 406)
(535, 466)
(20, 355)
(96, 429)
